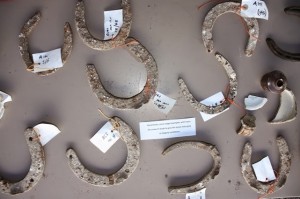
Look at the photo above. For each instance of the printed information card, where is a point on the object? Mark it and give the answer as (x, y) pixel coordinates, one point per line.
(167, 129)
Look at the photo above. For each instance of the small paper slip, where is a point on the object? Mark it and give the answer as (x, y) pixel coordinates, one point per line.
(212, 101)
(46, 132)
(196, 195)
(163, 103)
(167, 129)
(113, 21)
(254, 9)
(47, 60)
(263, 170)
(105, 137)
(5, 97)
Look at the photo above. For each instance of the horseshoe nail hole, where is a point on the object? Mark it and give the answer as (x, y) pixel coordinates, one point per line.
(31, 180)
(30, 139)
(127, 170)
(279, 83)
(209, 51)
(70, 156)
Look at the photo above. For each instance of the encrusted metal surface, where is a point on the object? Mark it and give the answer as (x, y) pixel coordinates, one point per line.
(287, 109)
(282, 173)
(36, 170)
(223, 8)
(24, 43)
(97, 44)
(248, 125)
(201, 183)
(224, 104)
(133, 148)
(135, 102)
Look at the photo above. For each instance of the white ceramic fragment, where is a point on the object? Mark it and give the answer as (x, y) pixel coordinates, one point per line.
(253, 103)
(287, 109)
(3, 99)
(46, 132)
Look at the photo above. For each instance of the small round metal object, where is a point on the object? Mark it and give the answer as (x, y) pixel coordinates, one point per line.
(274, 82)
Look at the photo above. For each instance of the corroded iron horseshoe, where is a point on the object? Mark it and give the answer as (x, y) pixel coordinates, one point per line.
(293, 10)
(202, 183)
(97, 44)
(284, 168)
(135, 102)
(133, 148)
(24, 43)
(36, 170)
(223, 8)
(225, 103)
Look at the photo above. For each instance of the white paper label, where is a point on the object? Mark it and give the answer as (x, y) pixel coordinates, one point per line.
(105, 137)
(254, 9)
(167, 129)
(47, 60)
(113, 21)
(196, 195)
(263, 170)
(214, 100)
(46, 132)
(163, 103)
(5, 97)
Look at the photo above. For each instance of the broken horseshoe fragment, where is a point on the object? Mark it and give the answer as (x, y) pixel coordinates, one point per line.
(223, 8)
(133, 148)
(135, 102)
(203, 182)
(97, 44)
(224, 104)
(36, 170)
(276, 50)
(248, 125)
(24, 44)
(283, 171)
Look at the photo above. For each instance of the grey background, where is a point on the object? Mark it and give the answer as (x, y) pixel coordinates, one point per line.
(171, 31)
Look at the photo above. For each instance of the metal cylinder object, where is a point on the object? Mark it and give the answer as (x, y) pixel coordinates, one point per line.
(274, 82)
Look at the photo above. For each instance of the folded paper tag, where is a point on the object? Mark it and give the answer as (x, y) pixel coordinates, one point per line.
(113, 21)
(167, 129)
(196, 195)
(47, 60)
(163, 103)
(46, 132)
(263, 170)
(214, 100)
(105, 137)
(254, 9)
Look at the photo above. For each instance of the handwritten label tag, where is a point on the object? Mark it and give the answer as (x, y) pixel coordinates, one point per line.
(196, 195)
(167, 129)
(113, 21)
(47, 60)
(46, 132)
(254, 9)
(163, 103)
(105, 137)
(263, 170)
(216, 99)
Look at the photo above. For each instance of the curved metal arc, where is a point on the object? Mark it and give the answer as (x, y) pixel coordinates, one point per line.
(95, 43)
(283, 54)
(133, 148)
(223, 8)
(24, 43)
(36, 170)
(283, 171)
(223, 105)
(201, 183)
(135, 102)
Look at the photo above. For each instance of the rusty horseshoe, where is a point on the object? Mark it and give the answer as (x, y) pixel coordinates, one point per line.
(97, 44)
(202, 183)
(283, 171)
(135, 102)
(223, 8)
(133, 148)
(24, 43)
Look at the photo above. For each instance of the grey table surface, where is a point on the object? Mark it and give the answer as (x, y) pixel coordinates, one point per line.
(171, 31)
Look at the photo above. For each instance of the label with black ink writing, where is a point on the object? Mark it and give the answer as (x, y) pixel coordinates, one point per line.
(254, 9)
